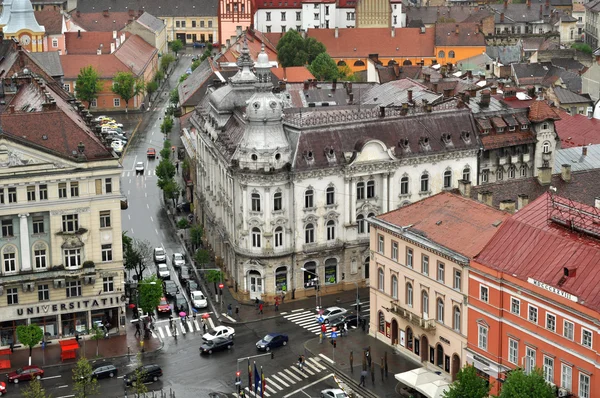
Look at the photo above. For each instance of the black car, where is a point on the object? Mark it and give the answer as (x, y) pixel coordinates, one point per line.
(180, 302)
(218, 344)
(349, 320)
(170, 288)
(272, 340)
(147, 374)
(104, 370)
(191, 286)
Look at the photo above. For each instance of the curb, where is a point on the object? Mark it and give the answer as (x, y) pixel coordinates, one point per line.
(131, 138)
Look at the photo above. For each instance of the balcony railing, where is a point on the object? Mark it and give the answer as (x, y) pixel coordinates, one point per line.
(48, 273)
(317, 247)
(425, 324)
(546, 156)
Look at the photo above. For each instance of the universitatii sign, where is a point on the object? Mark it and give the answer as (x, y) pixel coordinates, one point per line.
(552, 289)
(65, 307)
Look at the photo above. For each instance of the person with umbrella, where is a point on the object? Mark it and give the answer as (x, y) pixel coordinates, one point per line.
(182, 315)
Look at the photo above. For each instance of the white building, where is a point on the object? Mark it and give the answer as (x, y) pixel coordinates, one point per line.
(279, 190)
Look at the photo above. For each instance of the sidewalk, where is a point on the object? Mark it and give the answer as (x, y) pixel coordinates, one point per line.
(356, 342)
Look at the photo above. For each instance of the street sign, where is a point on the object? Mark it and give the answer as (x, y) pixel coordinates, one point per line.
(320, 319)
(221, 286)
(334, 335)
(238, 383)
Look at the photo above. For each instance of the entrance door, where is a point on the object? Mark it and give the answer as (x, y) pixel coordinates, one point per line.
(181, 36)
(194, 38)
(255, 284)
(394, 332)
(424, 348)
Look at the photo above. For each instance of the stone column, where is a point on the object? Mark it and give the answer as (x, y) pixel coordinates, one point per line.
(267, 206)
(352, 201)
(347, 201)
(244, 207)
(25, 249)
(385, 192)
(391, 200)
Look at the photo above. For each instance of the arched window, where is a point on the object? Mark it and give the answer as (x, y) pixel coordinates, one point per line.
(466, 174)
(309, 199)
(439, 355)
(330, 230)
(278, 237)
(511, 171)
(424, 182)
(281, 279)
(256, 237)
(441, 54)
(381, 322)
(425, 304)
(359, 63)
(440, 310)
(360, 221)
(456, 319)
(523, 170)
(277, 201)
(9, 259)
(370, 189)
(448, 179)
(330, 196)
(392, 62)
(360, 190)
(451, 54)
(395, 287)
(380, 280)
(309, 274)
(500, 174)
(409, 294)
(369, 225)
(546, 147)
(407, 62)
(255, 202)
(40, 254)
(341, 63)
(309, 233)
(404, 186)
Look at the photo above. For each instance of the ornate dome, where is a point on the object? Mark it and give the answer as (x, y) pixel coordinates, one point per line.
(264, 108)
(262, 61)
(21, 16)
(6, 7)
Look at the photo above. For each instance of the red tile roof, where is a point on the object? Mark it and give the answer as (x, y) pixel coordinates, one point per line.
(136, 53)
(51, 19)
(106, 65)
(283, 4)
(540, 111)
(577, 130)
(458, 34)
(458, 223)
(293, 74)
(495, 141)
(360, 42)
(273, 38)
(255, 41)
(97, 22)
(88, 42)
(528, 245)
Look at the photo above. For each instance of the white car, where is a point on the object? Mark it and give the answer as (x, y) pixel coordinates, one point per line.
(333, 393)
(198, 299)
(159, 255)
(219, 331)
(331, 313)
(163, 271)
(117, 146)
(139, 168)
(178, 260)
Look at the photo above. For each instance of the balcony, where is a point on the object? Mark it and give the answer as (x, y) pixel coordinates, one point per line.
(425, 324)
(502, 160)
(59, 271)
(546, 156)
(318, 247)
(526, 157)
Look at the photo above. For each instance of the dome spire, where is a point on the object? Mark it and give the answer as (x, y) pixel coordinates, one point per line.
(244, 60)
(244, 76)
(263, 71)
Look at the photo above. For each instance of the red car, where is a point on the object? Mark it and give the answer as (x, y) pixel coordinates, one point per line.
(2, 388)
(151, 153)
(26, 373)
(164, 306)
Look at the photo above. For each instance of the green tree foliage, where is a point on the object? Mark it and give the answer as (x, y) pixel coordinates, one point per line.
(468, 385)
(97, 334)
(165, 171)
(136, 255)
(84, 385)
(183, 223)
(176, 46)
(165, 152)
(346, 74)
(139, 388)
(88, 85)
(172, 190)
(214, 277)
(166, 61)
(207, 53)
(30, 336)
(127, 86)
(150, 291)
(196, 64)
(183, 77)
(582, 47)
(174, 96)
(196, 233)
(518, 384)
(202, 257)
(313, 49)
(151, 87)
(34, 390)
(324, 68)
(167, 125)
(159, 76)
(293, 50)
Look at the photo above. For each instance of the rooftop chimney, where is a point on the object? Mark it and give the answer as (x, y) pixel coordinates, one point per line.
(565, 172)
(426, 77)
(306, 85)
(114, 34)
(99, 51)
(337, 33)
(583, 151)
(469, 74)
(485, 98)
(434, 87)
(112, 48)
(105, 13)
(505, 4)
(410, 97)
(597, 203)
(502, 16)
(485, 197)
(334, 85)
(508, 205)
(12, 109)
(494, 90)
(457, 31)
(544, 175)
(464, 187)
(78, 32)
(447, 92)
(522, 201)
(541, 10)
(393, 31)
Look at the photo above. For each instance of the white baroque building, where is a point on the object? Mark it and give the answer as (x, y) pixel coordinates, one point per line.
(283, 189)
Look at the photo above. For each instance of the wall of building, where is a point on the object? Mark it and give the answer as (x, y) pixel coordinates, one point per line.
(460, 52)
(192, 29)
(55, 43)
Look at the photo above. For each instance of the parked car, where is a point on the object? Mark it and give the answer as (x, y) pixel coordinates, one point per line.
(198, 44)
(272, 340)
(163, 271)
(198, 299)
(219, 331)
(159, 255)
(163, 307)
(148, 373)
(331, 313)
(184, 274)
(151, 153)
(218, 344)
(139, 168)
(195, 58)
(170, 288)
(118, 147)
(191, 286)
(333, 393)
(104, 370)
(178, 260)
(26, 373)
(2, 388)
(188, 71)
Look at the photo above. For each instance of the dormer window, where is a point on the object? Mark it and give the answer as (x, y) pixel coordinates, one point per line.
(524, 127)
(500, 129)
(404, 144)
(466, 136)
(486, 131)
(511, 128)
(447, 139)
(424, 142)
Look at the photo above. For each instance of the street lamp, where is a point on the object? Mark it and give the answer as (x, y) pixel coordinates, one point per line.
(357, 300)
(316, 287)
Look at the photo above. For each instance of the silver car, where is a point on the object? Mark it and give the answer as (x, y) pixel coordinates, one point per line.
(163, 271)
(178, 260)
(159, 255)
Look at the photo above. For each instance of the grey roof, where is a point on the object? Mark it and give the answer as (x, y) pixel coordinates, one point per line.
(565, 96)
(574, 157)
(593, 6)
(563, 3)
(151, 22)
(190, 86)
(506, 55)
(430, 15)
(476, 63)
(50, 62)
(520, 13)
(395, 93)
(545, 74)
(158, 8)
(568, 63)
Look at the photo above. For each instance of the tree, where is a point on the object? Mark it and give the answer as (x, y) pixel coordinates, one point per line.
(582, 47)
(151, 87)
(84, 385)
(202, 257)
(165, 171)
(159, 76)
(136, 256)
(30, 336)
(468, 385)
(172, 190)
(127, 86)
(214, 277)
(97, 334)
(324, 68)
(176, 46)
(88, 85)
(196, 233)
(165, 152)
(167, 125)
(183, 77)
(518, 384)
(174, 96)
(290, 49)
(34, 390)
(165, 62)
(150, 291)
(196, 64)
(313, 49)
(139, 374)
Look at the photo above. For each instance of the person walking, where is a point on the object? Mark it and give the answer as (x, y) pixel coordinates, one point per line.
(256, 302)
(282, 297)
(229, 309)
(137, 330)
(363, 378)
(237, 311)
(300, 361)
(276, 303)
(260, 308)
(203, 326)
(171, 321)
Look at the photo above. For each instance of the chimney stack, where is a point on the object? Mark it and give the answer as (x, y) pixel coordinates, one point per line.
(565, 172)
(469, 74)
(597, 203)
(508, 205)
(78, 33)
(334, 85)
(502, 16)
(457, 31)
(393, 31)
(494, 90)
(486, 197)
(114, 34)
(464, 187)
(583, 151)
(544, 175)
(105, 13)
(434, 87)
(447, 92)
(541, 10)
(522, 201)
(505, 4)
(306, 85)
(485, 98)
(12, 109)
(410, 97)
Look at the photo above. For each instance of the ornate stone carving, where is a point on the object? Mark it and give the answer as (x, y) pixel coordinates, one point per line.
(311, 218)
(332, 215)
(72, 242)
(280, 221)
(78, 210)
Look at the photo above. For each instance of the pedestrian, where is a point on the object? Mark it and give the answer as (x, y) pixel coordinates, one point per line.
(256, 302)
(300, 364)
(321, 338)
(282, 297)
(373, 375)
(229, 309)
(351, 360)
(363, 323)
(171, 321)
(276, 303)
(137, 330)
(260, 308)
(368, 354)
(363, 378)
(177, 166)
(203, 326)
(237, 311)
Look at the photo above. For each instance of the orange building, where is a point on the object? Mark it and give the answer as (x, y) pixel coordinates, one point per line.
(457, 41)
(534, 297)
(235, 16)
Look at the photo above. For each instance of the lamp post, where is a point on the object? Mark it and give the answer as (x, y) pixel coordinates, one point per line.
(357, 300)
(316, 287)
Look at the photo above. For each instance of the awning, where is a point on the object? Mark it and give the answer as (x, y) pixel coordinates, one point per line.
(426, 382)
(435, 389)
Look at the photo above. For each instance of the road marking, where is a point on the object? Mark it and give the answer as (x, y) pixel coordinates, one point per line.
(300, 372)
(316, 362)
(326, 357)
(120, 377)
(286, 377)
(128, 192)
(162, 336)
(129, 216)
(298, 316)
(289, 372)
(156, 230)
(66, 396)
(190, 325)
(212, 325)
(309, 385)
(313, 367)
(145, 193)
(169, 332)
(132, 231)
(283, 313)
(279, 380)
(197, 326)
(270, 382)
(147, 205)
(299, 309)
(66, 385)
(228, 317)
(307, 369)
(182, 328)
(52, 377)
(151, 219)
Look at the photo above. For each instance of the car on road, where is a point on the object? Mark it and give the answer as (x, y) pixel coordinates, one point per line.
(191, 286)
(2, 388)
(218, 344)
(188, 71)
(26, 373)
(219, 331)
(349, 320)
(104, 370)
(180, 302)
(163, 306)
(151, 153)
(184, 274)
(159, 255)
(333, 393)
(163, 271)
(148, 374)
(331, 313)
(198, 44)
(198, 299)
(139, 168)
(118, 147)
(178, 260)
(170, 288)
(272, 340)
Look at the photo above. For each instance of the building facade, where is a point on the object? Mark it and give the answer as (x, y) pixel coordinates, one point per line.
(235, 16)
(592, 23)
(18, 21)
(153, 30)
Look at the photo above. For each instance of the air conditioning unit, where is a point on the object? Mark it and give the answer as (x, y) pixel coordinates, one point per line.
(28, 287)
(59, 283)
(89, 280)
(563, 392)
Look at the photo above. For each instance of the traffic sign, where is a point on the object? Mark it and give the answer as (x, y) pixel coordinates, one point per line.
(238, 383)
(221, 286)
(334, 335)
(320, 319)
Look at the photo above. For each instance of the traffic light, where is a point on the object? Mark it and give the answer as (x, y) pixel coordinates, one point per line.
(238, 374)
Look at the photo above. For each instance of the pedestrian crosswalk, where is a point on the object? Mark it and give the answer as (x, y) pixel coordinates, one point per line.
(163, 330)
(287, 378)
(131, 173)
(307, 318)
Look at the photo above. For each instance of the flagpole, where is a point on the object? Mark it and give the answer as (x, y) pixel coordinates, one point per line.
(249, 376)
(262, 383)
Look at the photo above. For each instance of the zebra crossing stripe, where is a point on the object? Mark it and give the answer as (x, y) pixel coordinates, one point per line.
(162, 336)
(270, 383)
(289, 372)
(286, 377)
(279, 380)
(300, 372)
(316, 363)
(190, 325)
(297, 316)
(212, 325)
(182, 328)
(308, 365)
(299, 309)
(168, 332)
(307, 370)
(197, 326)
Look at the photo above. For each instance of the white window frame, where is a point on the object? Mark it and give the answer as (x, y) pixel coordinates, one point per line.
(54, 43)
(457, 284)
(550, 316)
(409, 295)
(380, 244)
(531, 359)
(107, 253)
(441, 272)
(515, 306)
(425, 264)
(571, 328)
(566, 376)
(395, 287)
(529, 308)
(395, 251)
(482, 337)
(583, 331)
(584, 385)
(278, 237)
(409, 257)
(330, 229)
(74, 254)
(40, 258)
(381, 279)
(256, 238)
(548, 369)
(513, 351)
(116, 102)
(484, 297)
(108, 284)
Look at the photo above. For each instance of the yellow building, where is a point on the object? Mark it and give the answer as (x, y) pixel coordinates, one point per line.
(373, 14)
(191, 29)
(457, 41)
(18, 21)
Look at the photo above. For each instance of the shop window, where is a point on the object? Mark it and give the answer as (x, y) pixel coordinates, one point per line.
(281, 279)
(381, 322)
(73, 288)
(43, 292)
(309, 274)
(330, 271)
(74, 323)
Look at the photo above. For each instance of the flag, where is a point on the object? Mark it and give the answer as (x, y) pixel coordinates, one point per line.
(249, 376)
(263, 384)
(256, 378)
